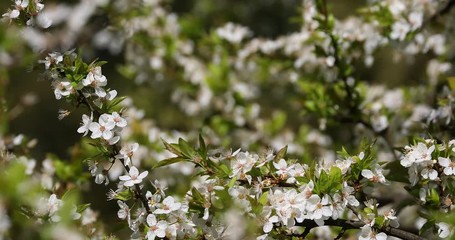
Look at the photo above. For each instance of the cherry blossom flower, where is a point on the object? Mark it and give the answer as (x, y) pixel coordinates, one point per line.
(444, 230)
(267, 220)
(52, 59)
(62, 88)
(242, 164)
(127, 152)
(449, 166)
(319, 208)
(88, 216)
(282, 167)
(296, 170)
(152, 199)
(156, 229)
(119, 121)
(344, 164)
(346, 196)
(399, 30)
(371, 204)
(393, 220)
(96, 80)
(85, 126)
(233, 33)
(49, 207)
(417, 154)
(124, 211)
(307, 189)
(19, 5)
(12, 14)
(168, 205)
(103, 128)
(375, 175)
(428, 172)
(368, 233)
(134, 177)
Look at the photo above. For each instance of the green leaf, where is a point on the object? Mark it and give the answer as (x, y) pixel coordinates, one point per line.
(116, 101)
(232, 182)
(82, 207)
(433, 198)
(202, 145)
(426, 227)
(263, 199)
(186, 149)
(451, 81)
(197, 196)
(322, 183)
(99, 63)
(168, 161)
(281, 153)
(124, 195)
(398, 173)
(173, 148)
(225, 171)
(335, 177)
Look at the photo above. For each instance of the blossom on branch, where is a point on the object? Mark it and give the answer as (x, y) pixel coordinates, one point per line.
(133, 177)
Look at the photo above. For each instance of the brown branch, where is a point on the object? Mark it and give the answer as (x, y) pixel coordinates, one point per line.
(349, 224)
(340, 235)
(446, 9)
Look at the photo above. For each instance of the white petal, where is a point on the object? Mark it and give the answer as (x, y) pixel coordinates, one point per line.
(267, 227)
(133, 171)
(143, 175)
(367, 173)
(151, 220)
(124, 178)
(443, 161)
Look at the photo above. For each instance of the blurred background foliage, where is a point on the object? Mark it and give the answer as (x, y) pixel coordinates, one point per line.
(33, 108)
(268, 18)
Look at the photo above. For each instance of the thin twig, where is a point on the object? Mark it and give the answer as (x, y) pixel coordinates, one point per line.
(349, 224)
(340, 235)
(441, 12)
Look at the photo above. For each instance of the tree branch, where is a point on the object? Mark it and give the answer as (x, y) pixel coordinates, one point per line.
(441, 12)
(115, 151)
(349, 224)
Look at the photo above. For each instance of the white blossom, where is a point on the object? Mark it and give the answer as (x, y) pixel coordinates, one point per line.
(133, 177)
(444, 230)
(156, 228)
(103, 128)
(399, 30)
(96, 80)
(168, 205)
(62, 88)
(119, 121)
(233, 33)
(417, 154)
(127, 152)
(85, 126)
(375, 176)
(368, 233)
(449, 165)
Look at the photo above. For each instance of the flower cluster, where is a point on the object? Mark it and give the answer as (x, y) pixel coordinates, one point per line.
(432, 163)
(31, 11)
(107, 128)
(294, 197)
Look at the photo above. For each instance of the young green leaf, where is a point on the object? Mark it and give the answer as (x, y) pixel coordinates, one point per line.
(168, 161)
